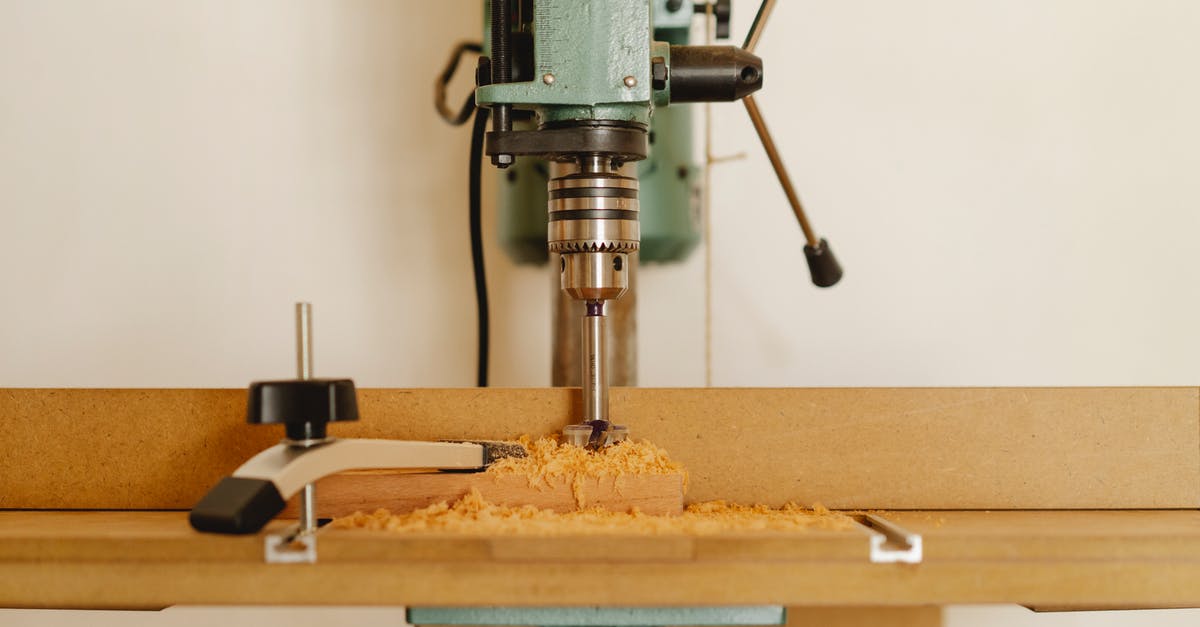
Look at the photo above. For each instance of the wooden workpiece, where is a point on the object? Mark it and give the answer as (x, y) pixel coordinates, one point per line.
(367, 491)
(153, 559)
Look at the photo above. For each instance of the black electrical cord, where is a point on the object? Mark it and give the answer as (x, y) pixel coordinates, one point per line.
(476, 220)
(460, 117)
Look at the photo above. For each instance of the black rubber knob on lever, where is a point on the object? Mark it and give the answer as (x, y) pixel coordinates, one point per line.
(304, 406)
(822, 265)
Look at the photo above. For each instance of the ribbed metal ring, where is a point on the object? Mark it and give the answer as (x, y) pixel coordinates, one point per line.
(593, 231)
(593, 202)
(594, 247)
(576, 182)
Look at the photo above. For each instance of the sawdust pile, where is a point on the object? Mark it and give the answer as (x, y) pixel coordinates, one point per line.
(473, 515)
(548, 460)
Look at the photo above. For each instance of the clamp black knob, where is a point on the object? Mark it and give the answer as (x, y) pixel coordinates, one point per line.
(303, 406)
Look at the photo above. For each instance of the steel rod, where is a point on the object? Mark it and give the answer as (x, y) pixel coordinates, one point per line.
(304, 371)
(780, 172)
(304, 358)
(759, 24)
(308, 509)
(595, 368)
(501, 60)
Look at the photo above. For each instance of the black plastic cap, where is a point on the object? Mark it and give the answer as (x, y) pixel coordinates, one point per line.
(237, 505)
(822, 265)
(713, 73)
(302, 406)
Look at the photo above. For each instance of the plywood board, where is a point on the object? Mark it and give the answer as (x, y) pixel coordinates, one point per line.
(960, 448)
(1054, 535)
(166, 537)
(132, 585)
(152, 559)
(365, 491)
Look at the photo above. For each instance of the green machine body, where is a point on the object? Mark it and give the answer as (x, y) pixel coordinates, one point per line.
(670, 179)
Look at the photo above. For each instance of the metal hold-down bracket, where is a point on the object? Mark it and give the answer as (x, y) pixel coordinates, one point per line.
(891, 543)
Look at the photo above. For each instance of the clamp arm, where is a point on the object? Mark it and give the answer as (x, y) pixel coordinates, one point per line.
(257, 491)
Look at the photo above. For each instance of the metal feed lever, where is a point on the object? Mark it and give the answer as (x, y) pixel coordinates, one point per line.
(823, 267)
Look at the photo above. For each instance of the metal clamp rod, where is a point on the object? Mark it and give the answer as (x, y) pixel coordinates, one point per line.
(304, 337)
(304, 370)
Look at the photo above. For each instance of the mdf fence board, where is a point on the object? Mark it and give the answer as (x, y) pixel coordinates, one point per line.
(1017, 448)
(907, 448)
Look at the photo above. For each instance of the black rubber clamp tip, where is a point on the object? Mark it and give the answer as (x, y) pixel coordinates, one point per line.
(237, 505)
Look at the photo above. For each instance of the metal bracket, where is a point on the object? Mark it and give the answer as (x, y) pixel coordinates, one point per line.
(290, 547)
(891, 543)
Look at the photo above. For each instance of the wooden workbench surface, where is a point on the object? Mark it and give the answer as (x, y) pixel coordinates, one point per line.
(1048, 558)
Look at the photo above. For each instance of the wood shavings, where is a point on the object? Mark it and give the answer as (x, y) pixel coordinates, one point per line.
(474, 515)
(548, 460)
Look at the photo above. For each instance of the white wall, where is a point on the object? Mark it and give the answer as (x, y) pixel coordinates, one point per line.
(1013, 188)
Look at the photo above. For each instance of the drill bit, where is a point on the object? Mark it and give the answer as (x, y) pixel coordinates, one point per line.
(595, 375)
(496, 450)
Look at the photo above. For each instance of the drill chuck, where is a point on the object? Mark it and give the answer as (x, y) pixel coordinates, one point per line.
(594, 226)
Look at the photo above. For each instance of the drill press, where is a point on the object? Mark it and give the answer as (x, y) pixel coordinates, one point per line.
(589, 74)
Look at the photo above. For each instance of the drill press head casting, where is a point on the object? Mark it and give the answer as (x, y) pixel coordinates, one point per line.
(589, 75)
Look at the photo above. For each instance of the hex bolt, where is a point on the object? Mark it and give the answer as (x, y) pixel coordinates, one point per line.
(659, 73)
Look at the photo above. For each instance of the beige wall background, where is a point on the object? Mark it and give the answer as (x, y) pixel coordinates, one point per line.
(1013, 188)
